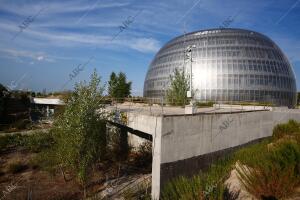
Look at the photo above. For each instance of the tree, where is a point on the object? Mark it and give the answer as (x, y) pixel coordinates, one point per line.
(112, 84)
(176, 94)
(80, 132)
(118, 87)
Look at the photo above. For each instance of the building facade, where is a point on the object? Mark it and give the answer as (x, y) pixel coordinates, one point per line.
(227, 65)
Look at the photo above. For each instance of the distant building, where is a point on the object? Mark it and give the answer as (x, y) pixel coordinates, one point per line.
(44, 106)
(228, 65)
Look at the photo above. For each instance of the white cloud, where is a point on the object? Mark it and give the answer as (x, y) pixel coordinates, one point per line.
(39, 58)
(56, 7)
(145, 45)
(18, 54)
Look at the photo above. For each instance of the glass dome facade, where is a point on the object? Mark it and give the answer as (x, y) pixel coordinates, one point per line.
(227, 65)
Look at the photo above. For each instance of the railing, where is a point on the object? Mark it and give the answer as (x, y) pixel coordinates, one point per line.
(160, 106)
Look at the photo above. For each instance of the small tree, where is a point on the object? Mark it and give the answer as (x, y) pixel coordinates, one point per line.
(112, 84)
(177, 93)
(80, 132)
(118, 87)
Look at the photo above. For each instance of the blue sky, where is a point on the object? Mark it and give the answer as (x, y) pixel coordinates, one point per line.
(65, 34)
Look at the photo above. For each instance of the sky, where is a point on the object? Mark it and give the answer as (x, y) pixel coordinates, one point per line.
(54, 44)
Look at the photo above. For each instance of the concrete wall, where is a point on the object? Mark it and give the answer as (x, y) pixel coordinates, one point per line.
(183, 143)
(153, 126)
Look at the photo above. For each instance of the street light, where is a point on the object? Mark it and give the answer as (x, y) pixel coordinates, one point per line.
(190, 57)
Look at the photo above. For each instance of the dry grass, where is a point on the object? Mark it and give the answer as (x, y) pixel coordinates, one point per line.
(276, 174)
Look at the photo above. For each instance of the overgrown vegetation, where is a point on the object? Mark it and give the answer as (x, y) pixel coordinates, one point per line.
(35, 142)
(78, 146)
(117, 144)
(292, 128)
(80, 131)
(206, 185)
(276, 174)
(14, 110)
(143, 155)
(268, 170)
(177, 93)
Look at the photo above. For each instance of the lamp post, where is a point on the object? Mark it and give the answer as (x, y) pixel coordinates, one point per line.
(190, 57)
(190, 109)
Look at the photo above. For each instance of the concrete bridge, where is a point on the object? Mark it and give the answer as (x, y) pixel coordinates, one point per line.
(185, 144)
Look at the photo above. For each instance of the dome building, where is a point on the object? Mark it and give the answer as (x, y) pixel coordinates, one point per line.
(228, 65)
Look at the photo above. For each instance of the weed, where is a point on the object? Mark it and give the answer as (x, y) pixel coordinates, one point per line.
(205, 104)
(276, 174)
(143, 156)
(290, 128)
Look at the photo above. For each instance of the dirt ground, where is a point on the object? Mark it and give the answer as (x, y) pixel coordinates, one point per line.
(31, 182)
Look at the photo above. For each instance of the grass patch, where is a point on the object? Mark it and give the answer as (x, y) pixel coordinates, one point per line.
(205, 185)
(34, 142)
(276, 173)
(205, 104)
(289, 129)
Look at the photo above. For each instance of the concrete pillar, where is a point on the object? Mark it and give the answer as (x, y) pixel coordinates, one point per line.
(124, 143)
(47, 110)
(156, 161)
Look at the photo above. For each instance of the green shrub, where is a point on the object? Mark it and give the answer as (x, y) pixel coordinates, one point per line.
(205, 104)
(144, 155)
(117, 141)
(4, 143)
(11, 141)
(34, 142)
(252, 154)
(39, 141)
(46, 160)
(208, 185)
(184, 188)
(290, 128)
(80, 132)
(276, 174)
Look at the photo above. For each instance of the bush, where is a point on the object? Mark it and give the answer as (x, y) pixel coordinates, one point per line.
(144, 155)
(34, 142)
(184, 188)
(252, 154)
(276, 174)
(11, 141)
(205, 104)
(39, 141)
(208, 185)
(290, 128)
(117, 143)
(80, 132)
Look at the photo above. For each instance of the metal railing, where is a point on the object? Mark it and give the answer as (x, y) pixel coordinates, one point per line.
(160, 106)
